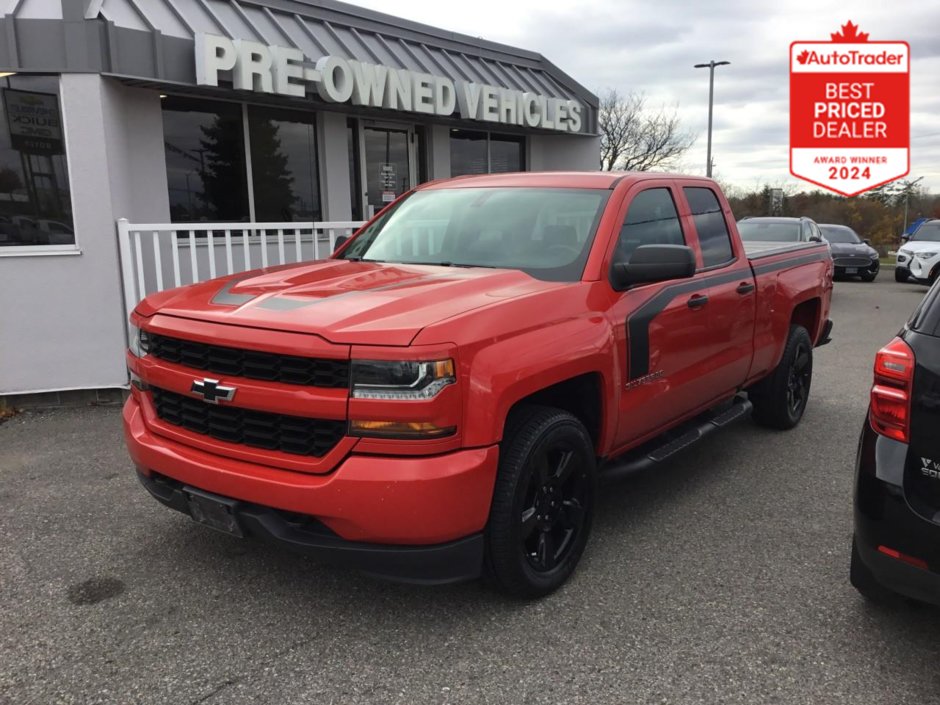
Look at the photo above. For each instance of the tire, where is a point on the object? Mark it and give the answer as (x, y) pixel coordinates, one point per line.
(780, 398)
(864, 581)
(900, 275)
(869, 276)
(543, 502)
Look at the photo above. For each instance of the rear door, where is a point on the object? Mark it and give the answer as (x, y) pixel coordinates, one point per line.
(658, 327)
(728, 345)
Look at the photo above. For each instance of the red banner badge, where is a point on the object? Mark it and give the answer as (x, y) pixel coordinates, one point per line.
(850, 111)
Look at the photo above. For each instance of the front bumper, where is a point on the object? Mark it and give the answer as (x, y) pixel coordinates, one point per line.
(398, 502)
(449, 562)
(883, 517)
(869, 267)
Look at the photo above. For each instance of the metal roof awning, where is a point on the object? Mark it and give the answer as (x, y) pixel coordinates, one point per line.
(152, 40)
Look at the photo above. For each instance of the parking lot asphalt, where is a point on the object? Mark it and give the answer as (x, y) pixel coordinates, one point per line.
(721, 577)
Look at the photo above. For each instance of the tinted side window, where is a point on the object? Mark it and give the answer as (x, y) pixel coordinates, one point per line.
(651, 220)
(710, 224)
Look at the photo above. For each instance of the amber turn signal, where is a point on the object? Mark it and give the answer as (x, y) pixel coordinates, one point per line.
(399, 429)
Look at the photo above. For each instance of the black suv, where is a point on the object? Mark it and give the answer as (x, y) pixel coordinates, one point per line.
(896, 547)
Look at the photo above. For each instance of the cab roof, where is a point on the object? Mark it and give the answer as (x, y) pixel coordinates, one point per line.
(554, 179)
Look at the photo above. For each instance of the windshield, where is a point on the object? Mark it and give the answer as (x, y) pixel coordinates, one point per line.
(545, 232)
(928, 232)
(764, 231)
(840, 234)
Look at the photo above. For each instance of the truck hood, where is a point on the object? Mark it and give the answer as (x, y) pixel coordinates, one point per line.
(343, 301)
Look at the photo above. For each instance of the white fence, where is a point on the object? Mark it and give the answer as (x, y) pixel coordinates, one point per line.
(158, 256)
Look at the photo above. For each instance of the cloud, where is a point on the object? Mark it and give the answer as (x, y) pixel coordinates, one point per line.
(651, 47)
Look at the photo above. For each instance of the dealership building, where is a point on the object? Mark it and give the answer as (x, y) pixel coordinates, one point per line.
(150, 143)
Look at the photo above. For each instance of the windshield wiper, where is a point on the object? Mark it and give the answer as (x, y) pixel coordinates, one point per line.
(452, 264)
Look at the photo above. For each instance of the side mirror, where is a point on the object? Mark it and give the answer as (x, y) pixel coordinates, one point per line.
(654, 263)
(867, 241)
(905, 238)
(340, 241)
(815, 238)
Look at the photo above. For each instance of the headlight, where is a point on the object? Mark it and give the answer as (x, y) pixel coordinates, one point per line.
(926, 255)
(379, 379)
(139, 342)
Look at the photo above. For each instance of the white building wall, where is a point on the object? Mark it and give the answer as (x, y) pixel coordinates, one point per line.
(62, 324)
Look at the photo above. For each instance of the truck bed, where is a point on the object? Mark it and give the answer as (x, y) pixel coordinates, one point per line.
(759, 250)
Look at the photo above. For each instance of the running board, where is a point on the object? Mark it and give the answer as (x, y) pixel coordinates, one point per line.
(694, 431)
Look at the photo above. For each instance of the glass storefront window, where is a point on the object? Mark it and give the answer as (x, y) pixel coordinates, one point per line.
(35, 202)
(507, 153)
(473, 152)
(205, 160)
(283, 165)
(468, 153)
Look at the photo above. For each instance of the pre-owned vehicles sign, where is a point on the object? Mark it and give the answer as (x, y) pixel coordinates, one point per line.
(849, 111)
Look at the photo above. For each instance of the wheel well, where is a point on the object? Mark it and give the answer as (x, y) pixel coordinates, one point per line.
(806, 314)
(579, 396)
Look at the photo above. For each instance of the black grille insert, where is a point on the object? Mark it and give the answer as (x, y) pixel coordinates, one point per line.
(260, 429)
(271, 367)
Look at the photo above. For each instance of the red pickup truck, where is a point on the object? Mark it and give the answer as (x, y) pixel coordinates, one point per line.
(438, 400)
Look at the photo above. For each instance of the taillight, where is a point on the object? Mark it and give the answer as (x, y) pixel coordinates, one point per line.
(891, 393)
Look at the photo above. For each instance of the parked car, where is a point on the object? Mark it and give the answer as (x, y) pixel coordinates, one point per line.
(896, 546)
(779, 229)
(919, 256)
(851, 255)
(432, 408)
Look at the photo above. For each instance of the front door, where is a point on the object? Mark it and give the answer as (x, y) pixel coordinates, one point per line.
(388, 165)
(658, 326)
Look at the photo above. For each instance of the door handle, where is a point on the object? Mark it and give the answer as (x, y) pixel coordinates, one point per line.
(698, 301)
(745, 288)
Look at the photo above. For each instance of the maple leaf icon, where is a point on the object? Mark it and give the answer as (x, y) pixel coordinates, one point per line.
(849, 34)
(803, 56)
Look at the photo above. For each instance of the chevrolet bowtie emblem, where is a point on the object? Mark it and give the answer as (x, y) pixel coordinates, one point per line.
(211, 391)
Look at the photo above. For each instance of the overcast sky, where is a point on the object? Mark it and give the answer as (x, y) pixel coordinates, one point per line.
(650, 47)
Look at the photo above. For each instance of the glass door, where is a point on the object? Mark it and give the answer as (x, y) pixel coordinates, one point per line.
(388, 163)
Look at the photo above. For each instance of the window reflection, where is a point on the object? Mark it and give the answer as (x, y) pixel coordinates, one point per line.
(35, 202)
(205, 160)
(283, 165)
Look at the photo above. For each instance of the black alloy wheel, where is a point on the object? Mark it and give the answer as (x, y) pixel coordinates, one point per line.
(800, 377)
(553, 514)
(543, 502)
(781, 397)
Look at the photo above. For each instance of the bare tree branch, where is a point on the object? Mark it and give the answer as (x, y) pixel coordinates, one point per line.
(636, 139)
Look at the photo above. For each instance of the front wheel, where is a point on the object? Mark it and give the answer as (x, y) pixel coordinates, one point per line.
(543, 502)
(780, 398)
(900, 275)
(869, 276)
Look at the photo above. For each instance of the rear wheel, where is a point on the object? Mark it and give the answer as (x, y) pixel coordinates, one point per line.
(900, 275)
(780, 398)
(543, 502)
(864, 581)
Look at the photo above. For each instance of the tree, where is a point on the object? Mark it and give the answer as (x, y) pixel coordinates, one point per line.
(636, 139)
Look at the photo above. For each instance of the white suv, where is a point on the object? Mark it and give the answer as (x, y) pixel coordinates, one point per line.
(919, 257)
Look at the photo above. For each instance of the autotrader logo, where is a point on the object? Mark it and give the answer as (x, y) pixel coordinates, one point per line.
(852, 57)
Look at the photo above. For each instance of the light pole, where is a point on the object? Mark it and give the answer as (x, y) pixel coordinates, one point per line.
(711, 99)
(907, 197)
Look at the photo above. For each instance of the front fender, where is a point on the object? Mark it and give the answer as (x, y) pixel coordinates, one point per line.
(505, 371)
